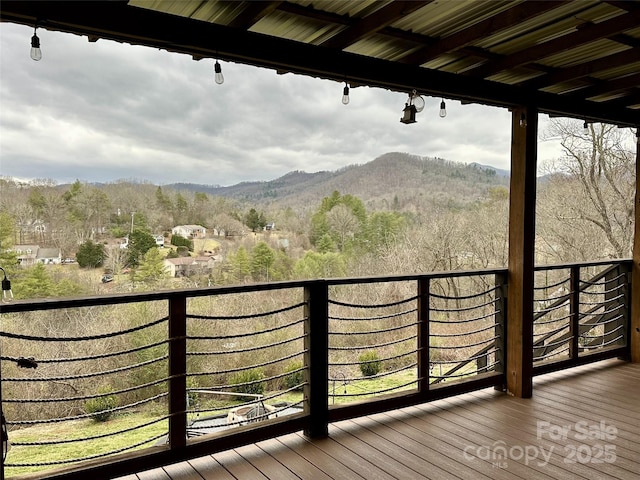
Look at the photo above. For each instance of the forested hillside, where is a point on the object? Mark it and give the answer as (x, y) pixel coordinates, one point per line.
(397, 214)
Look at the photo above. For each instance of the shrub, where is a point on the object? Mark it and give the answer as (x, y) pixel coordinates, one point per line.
(247, 381)
(296, 377)
(100, 407)
(370, 363)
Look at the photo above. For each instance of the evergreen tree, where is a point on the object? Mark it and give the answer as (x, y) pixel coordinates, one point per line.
(91, 255)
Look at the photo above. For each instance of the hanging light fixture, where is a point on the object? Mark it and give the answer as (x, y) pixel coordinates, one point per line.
(415, 104)
(345, 94)
(523, 120)
(443, 109)
(7, 294)
(585, 128)
(36, 53)
(218, 73)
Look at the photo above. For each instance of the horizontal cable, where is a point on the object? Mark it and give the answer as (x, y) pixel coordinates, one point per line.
(373, 332)
(605, 281)
(80, 339)
(379, 305)
(250, 402)
(553, 285)
(378, 345)
(553, 320)
(550, 354)
(394, 357)
(467, 360)
(87, 415)
(244, 317)
(87, 375)
(464, 346)
(247, 367)
(550, 333)
(466, 320)
(444, 335)
(378, 317)
(247, 334)
(249, 349)
(375, 392)
(86, 397)
(604, 344)
(464, 309)
(605, 301)
(92, 357)
(94, 437)
(468, 374)
(379, 375)
(554, 299)
(605, 334)
(603, 292)
(466, 297)
(89, 457)
(606, 312)
(553, 343)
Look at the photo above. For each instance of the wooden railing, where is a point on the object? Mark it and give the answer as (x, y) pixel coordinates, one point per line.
(296, 355)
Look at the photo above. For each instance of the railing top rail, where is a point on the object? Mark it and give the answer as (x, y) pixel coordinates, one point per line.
(595, 263)
(91, 301)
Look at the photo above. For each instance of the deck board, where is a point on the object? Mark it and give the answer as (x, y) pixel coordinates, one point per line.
(429, 441)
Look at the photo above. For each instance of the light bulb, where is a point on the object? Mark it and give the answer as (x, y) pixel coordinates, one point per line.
(523, 120)
(417, 101)
(443, 109)
(7, 294)
(36, 53)
(345, 95)
(218, 77)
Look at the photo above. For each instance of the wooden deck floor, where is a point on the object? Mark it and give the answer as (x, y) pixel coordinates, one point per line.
(457, 438)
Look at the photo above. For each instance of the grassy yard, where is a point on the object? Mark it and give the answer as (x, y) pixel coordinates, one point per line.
(64, 431)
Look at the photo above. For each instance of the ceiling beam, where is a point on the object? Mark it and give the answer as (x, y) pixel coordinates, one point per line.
(489, 26)
(608, 87)
(253, 13)
(588, 34)
(381, 18)
(585, 69)
(121, 22)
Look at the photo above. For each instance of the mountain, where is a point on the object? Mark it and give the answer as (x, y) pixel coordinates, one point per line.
(392, 177)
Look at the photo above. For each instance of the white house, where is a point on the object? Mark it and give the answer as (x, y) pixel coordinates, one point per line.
(189, 231)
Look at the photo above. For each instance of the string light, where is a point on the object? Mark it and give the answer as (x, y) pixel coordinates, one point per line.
(36, 53)
(219, 78)
(443, 109)
(7, 294)
(523, 120)
(345, 94)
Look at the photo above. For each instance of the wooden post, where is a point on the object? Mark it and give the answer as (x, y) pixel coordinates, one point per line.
(177, 372)
(574, 313)
(501, 326)
(424, 357)
(522, 203)
(634, 333)
(316, 358)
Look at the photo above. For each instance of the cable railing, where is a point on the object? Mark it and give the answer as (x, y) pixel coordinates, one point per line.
(581, 313)
(117, 384)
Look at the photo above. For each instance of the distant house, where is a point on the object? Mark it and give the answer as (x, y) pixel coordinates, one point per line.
(159, 240)
(187, 266)
(31, 254)
(190, 231)
(270, 226)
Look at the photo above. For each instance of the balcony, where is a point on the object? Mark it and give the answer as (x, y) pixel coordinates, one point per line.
(400, 372)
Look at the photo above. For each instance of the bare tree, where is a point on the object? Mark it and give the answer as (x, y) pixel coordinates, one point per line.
(597, 174)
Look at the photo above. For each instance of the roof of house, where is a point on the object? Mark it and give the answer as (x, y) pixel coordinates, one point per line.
(577, 58)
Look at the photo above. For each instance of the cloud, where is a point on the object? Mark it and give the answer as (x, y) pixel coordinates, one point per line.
(105, 111)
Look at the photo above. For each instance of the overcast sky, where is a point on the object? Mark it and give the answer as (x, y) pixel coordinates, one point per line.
(104, 111)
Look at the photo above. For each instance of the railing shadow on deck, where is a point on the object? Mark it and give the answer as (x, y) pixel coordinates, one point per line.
(221, 367)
